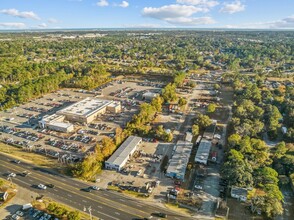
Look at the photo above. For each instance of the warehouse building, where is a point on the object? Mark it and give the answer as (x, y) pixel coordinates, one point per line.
(87, 110)
(55, 122)
(179, 161)
(203, 151)
(123, 153)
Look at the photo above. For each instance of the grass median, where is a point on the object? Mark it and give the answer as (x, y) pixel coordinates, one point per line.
(29, 157)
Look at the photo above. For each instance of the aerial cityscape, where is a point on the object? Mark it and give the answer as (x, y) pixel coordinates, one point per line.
(137, 110)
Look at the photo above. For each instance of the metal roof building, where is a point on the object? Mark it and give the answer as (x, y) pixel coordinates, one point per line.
(178, 163)
(203, 151)
(123, 153)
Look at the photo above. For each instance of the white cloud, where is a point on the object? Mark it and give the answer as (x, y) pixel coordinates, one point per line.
(52, 21)
(178, 14)
(285, 23)
(172, 11)
(43, 25)
(12, 25)
(102, 3)
(190, 21)
(20, 14)
(232, 7)
(206, 3)
(124, 4)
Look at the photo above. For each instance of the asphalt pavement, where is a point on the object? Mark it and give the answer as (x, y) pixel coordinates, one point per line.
(105, 204)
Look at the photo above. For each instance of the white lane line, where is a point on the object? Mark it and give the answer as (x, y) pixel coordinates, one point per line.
(139, 205)
(117, 213)
(84, 201)
(122, 200)
(99, 206)
(55, 190)
(30, 180)
(69, 195)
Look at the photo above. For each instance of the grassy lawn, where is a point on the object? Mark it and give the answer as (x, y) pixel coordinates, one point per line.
(176, 208)
(6, 186)
(127, 192)
(29, 157)
(59, 208)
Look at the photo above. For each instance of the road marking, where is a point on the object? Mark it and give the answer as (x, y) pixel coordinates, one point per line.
(55, 190)
(139, 205)
(117, 213)
(30, 180)
(84, 201)
(105, 194)
(69, 195)
(16, 168)
(100, 207)
(122, 200)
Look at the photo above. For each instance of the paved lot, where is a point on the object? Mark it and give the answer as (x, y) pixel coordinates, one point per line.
(23, 196)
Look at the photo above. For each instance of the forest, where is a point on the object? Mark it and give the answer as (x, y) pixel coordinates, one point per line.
(29, 61)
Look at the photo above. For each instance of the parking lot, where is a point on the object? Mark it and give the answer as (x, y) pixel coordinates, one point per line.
(19, 126)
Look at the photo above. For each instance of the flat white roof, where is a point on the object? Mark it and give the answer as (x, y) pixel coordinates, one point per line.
(203, 150)
(189, 137)
(114, 104)
(180, 159)
(60, 124)
(150, 94)
(51, 118)
(125, 149)
(85, 107)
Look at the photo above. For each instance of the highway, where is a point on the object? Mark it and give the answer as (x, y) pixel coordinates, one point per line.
(105, 204)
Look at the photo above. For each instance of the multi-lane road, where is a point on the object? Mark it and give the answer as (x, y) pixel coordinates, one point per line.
(105, 204)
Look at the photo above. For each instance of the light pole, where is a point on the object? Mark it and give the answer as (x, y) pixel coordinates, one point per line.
(90, 211)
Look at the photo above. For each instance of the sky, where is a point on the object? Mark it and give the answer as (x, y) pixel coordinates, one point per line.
(50, 14)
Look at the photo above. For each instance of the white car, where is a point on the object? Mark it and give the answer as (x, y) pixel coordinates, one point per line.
(11, 175)
(95, 188)
(42, 186)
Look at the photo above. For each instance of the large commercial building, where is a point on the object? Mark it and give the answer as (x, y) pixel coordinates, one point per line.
(87, 110)
(84, 111)
(203, 151)
(123, 153)
(179, 161)
(55, 122)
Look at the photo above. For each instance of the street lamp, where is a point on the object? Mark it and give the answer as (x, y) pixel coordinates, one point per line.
(90, 211)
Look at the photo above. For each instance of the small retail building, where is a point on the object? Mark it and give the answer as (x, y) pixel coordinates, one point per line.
(148, 96)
